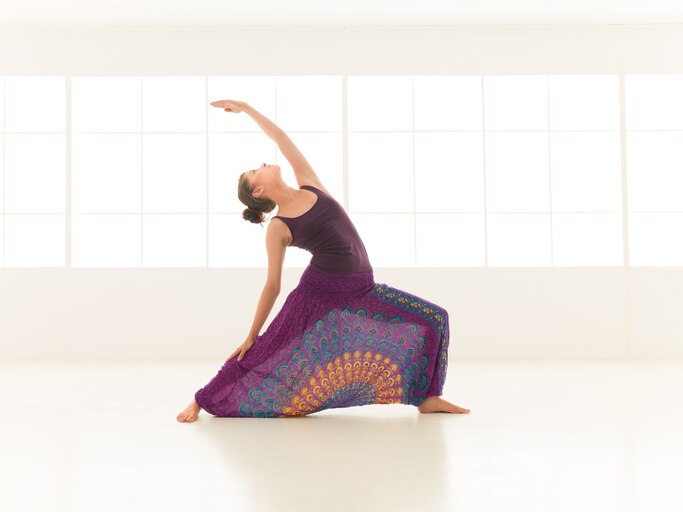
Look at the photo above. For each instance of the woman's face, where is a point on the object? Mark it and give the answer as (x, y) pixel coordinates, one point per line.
(262, 175)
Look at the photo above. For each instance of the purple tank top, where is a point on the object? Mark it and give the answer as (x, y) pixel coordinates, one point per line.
(327, 232)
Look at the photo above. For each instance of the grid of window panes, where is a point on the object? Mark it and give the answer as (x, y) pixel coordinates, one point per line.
(654, 134)
(493, 170)
(553, 170)
(444, 171)
(138, 171)
(33, 188)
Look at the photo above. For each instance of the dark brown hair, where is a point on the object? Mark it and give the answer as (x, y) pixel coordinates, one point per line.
(255, 207)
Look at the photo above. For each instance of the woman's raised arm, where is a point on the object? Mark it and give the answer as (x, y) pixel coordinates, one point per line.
(305, 175)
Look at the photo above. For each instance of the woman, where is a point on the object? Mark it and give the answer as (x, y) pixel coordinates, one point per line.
(340, 339)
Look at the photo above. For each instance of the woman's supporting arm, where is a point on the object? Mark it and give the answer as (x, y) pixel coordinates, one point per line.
(265, 304)
(276, 245)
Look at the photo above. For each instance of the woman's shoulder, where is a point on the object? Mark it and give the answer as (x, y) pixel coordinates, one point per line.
(315, 188)
(310, 188)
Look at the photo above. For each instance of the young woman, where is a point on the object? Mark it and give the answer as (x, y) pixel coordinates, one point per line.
(340, 339)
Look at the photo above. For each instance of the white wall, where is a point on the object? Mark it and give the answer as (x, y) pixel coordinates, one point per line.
(498, 313)
(267, 51)
(573, 313)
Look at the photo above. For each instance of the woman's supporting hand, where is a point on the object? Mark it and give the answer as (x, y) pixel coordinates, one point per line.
(230, 105)
(242, 349)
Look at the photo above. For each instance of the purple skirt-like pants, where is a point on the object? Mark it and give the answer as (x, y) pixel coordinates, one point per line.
(340, 340)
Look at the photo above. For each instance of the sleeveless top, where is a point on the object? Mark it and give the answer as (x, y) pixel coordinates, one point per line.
(327, 232)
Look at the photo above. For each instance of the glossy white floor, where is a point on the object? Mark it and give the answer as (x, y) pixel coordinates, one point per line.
(561, 436)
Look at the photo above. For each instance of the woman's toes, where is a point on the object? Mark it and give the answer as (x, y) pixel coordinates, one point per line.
(190, 413)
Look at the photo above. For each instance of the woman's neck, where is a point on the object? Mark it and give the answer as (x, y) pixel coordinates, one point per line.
(283, 195)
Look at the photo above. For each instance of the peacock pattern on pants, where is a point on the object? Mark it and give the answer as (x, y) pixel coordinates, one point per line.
(383, 346)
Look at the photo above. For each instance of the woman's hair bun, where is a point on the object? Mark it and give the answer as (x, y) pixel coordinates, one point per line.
(252, 215)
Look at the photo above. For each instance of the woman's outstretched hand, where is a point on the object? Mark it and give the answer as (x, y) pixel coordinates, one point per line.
(242, 349)
(230, 105)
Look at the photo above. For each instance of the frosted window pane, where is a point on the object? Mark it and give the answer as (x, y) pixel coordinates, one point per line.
(105, 241)
(309, 103)
(231, 154)
(515, 102)
(654, 102)
(381, 103)
(518, 240)
(587, 239)
(105, 173)
(389, 239)
(174, 240)
(34, 240)
(448, 103)
(174, 173)
(235, 242)
(654, 239)
(584, 102)
(381, 172)
(323, 151)
(450, 240)
(174, 104)
(106, 104)
(35, 104)
(655, 171)
(517, 175)
(259, 92)
(449, 174)
(585, 171)
(35, 173)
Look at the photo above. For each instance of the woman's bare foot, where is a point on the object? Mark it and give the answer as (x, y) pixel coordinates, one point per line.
(190, 413)
(438, 404)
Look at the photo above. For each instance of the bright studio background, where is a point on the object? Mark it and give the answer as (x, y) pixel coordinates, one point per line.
(530, 180)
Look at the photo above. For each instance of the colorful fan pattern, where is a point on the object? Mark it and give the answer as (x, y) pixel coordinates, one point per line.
(348, 358)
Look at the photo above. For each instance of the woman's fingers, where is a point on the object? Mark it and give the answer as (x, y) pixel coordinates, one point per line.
(241, 350)
(228, 105)
(222, 103)
(235, 352)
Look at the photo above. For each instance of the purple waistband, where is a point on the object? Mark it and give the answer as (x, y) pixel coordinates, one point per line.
(327, 283)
